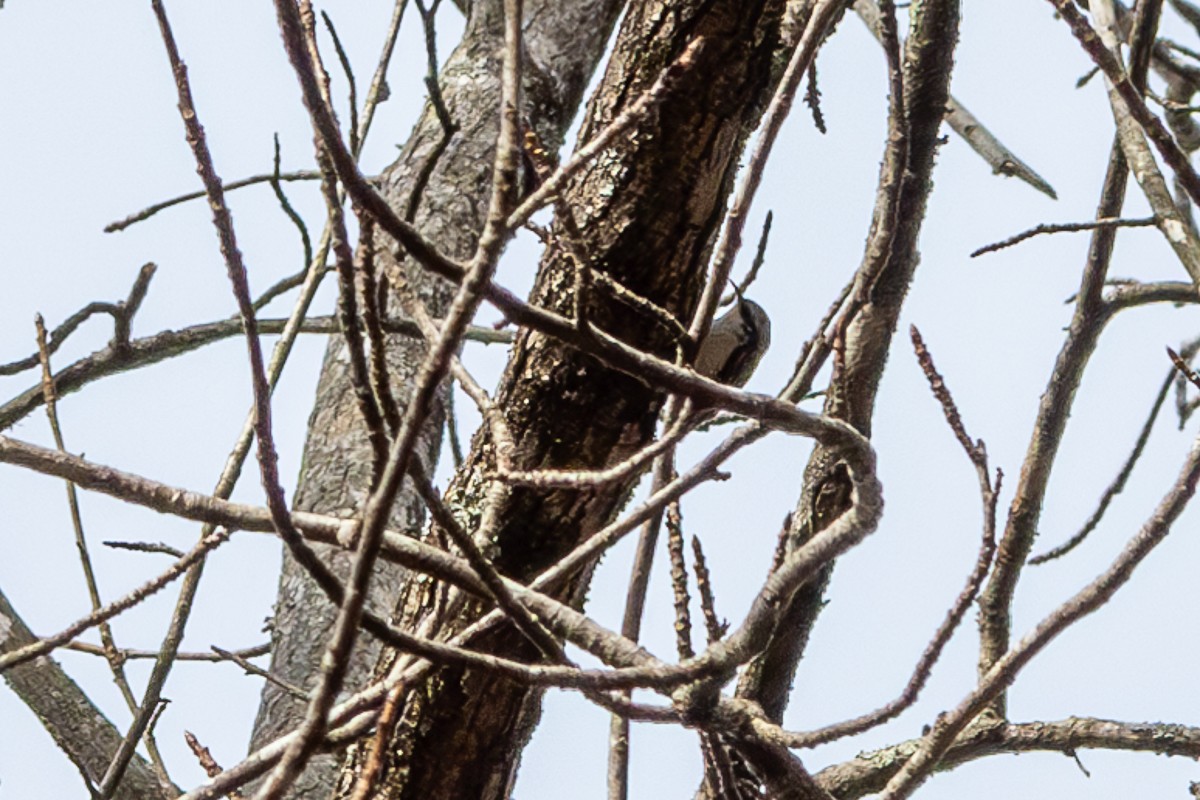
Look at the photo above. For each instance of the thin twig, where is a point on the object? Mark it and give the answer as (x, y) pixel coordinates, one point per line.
(1118, 484)
(59, 335)
(349, 71)
(760, 257)
(679, 581)
(371, 300)
(1005, 670)
(713, 625)
(130, 654)
(812, 98)
(491, 413)
(109, 650)
(209, 764)
(577, 479)
(296, 219)
(379, 89)
(521, 617)
(253, 669)
(1000, 158)
(171, 343)
(975, 449)
(122, 313)
(145, 547)
(372, 771)
(449, 126)
(48, 643)
(622, 293)
(635, 605)
(815, 350)
(150, 211)
(350, 322)
(456, 448)
(1065, 227)
(126, 310)
(989, 492)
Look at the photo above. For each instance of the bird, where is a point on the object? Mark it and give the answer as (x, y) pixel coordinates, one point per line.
(735, 343)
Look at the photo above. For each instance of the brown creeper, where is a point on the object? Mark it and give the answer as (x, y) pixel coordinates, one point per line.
(735, 344)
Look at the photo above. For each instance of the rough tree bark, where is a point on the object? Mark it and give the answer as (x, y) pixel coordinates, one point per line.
(564, 41)
(647, 213)
(80, 728)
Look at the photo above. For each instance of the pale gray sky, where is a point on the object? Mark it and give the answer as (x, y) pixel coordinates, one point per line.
(89, 132)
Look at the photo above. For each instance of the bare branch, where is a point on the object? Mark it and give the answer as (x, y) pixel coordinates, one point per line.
(130, 654)
(241, 660)
(344, 60)
(1087, 323)
(121, 312)
(150, 211)
(169, 344)
(713, 625)
(868, 773)
(1128, 93)
(379, 89)
(115, 662)
(679, 581)
(1000, 158)
(1092, 597)
(989, 494)
(145, 547)
(1118, 484)
(384, 727)
(617, 472)
(45, 645)
(1063, 227)
(294, 216)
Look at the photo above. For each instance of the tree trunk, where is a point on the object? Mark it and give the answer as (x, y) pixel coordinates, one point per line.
(78, 727)
(647, 212)
(564, 41)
